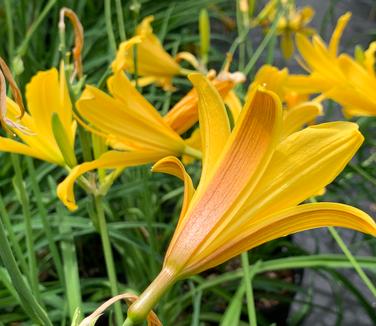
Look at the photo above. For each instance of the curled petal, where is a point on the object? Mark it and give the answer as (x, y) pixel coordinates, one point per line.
(109, 160)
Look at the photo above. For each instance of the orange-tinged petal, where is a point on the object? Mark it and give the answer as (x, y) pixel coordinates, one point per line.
(171, 165)
(296, 117)
(247, 151)
(184, 114)
(109, 160)
(285, 222)
(214, 124)
(303, 164)
(337, 34)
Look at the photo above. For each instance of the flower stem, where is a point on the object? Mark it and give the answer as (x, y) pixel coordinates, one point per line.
(23, 197)
(110, 32)
(139, 310)
(109, 259)
(193, 152)
(248, 277)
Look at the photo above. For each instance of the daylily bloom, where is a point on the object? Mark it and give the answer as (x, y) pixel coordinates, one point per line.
(298, 111)
(154, 64)
(338, 77)
(250, 187)
(130, 125)
(294, 21)
(48, 103)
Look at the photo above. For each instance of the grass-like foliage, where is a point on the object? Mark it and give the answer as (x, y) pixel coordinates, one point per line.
(58, 266)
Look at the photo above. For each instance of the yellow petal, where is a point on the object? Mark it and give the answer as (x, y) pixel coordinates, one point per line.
(303, 164)
(109, 160)
(151, 55)
(283, 223)
(121, 59)
(12, 146)
(337, 34)
(184, 114)
(310, 84)
(122, 89)
(43, 98)
(171, 165)
(43, 148)
(234, 104)
(121, 123)
(214, 124)
(296, 117)
(369, 58)
(237, 171)
(271, 78)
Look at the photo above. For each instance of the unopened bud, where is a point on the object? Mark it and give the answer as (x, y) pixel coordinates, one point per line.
(204, 27)
(62, 141)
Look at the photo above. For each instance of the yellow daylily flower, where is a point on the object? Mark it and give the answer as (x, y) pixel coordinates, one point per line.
(338, 77)
(154, 64)
(131, 126)
(250, 187)
(47, 98)
(294, 21)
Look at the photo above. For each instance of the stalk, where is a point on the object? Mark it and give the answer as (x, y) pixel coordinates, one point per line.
(28, 227)
(109, 259)
(44, 217)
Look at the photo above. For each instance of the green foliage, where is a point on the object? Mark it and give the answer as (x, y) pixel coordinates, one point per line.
(43, 246)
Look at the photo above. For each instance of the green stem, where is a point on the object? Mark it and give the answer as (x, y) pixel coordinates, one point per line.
(195, 153)
(44, 217)
(23, 47)
(139, 310)
(352, 260)
(10, 30)
(28, 227)
(71, 274)
(268, 37)
(110, 32)
(109, 259)
(248, 288)
(363, 173)
(120, 19)
(27, 298)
